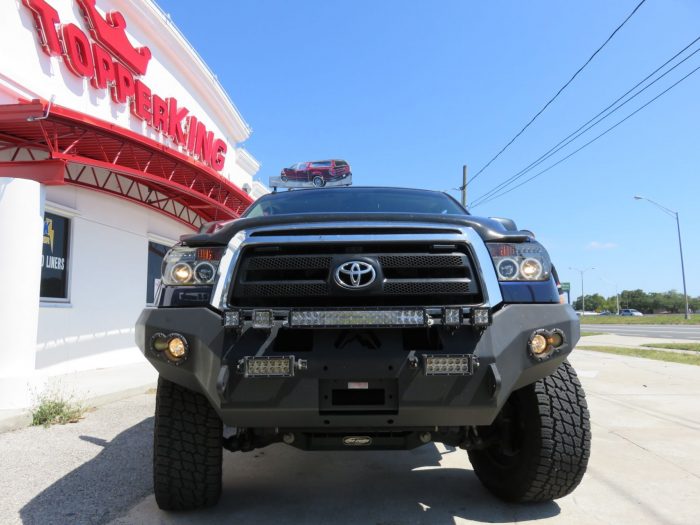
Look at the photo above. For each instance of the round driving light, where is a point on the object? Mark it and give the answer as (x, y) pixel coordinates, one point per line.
(181, 272)
(204, 272)
(531, 268)
(507, 268)
(177, 347)
(555, 339)
(538, 345)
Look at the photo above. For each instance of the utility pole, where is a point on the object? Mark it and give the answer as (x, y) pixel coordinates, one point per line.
(464, 185)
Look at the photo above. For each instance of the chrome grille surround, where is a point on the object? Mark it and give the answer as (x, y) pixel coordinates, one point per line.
(367, 232)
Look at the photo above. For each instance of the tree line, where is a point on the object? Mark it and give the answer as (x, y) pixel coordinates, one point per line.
(646, 302)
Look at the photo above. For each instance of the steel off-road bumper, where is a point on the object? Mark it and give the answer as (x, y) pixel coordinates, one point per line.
(321, 396)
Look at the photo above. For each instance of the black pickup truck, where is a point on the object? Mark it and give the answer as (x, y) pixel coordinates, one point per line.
(364, 318)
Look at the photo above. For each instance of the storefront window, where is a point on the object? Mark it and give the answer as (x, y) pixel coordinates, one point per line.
(156, 252)
(55, 258)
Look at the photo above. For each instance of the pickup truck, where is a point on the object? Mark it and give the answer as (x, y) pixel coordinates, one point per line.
(359, 319)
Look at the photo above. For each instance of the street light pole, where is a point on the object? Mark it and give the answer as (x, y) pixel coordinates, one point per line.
(583, 295)
(673, 213)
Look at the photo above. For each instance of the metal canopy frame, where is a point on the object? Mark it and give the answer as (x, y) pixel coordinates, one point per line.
(104, 157)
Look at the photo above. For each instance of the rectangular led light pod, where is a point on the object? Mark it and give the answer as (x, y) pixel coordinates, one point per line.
(272, 366)
(262, 319)
(449, 364)
(333, 318)
(232, 318)
(452, 316)
(480, 317)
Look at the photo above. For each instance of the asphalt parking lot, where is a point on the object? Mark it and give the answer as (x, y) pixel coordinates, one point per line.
(645, 468)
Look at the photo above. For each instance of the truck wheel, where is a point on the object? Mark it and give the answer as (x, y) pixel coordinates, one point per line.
(540, 441)
(318, 181)
(187, 449)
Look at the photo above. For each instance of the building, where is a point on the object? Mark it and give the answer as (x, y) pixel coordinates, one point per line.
(115, 139)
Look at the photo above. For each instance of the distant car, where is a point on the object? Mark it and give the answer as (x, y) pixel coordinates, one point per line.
(631, 312)
(317, 172)
(606, 312)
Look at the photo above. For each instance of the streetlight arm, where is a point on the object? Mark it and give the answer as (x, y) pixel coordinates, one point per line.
(661, 206)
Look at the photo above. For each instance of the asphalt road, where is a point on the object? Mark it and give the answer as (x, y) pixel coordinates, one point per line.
(648, 330)
(645, 468)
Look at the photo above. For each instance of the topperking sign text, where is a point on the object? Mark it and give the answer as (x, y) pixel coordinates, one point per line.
(111, 62)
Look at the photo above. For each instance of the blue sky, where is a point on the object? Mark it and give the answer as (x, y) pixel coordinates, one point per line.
(407, 92)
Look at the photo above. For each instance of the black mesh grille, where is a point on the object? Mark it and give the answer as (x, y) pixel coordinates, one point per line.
(284, 289)
(288, 262)
(408, 274)
(421, 261)
(428, 287)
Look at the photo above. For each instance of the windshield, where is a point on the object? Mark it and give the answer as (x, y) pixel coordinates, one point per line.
(355, 200)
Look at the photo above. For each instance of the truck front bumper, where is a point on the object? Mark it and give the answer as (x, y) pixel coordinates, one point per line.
(358, 378)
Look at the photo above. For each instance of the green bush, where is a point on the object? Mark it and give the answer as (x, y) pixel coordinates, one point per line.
(52, 407)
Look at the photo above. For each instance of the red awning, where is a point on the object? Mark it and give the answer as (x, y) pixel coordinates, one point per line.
(108, 158)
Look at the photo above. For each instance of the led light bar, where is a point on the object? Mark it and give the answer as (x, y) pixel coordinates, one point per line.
(332, 318)
(449, 364)
(268, 366)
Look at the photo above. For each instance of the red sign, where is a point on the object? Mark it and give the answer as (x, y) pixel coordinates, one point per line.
(112, 62)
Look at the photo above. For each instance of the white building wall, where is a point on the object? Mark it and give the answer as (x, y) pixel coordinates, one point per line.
(175, 70)
(109, 236)
(107, 281)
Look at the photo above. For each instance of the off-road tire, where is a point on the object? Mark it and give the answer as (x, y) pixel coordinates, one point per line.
(187, 449)
(554, 441)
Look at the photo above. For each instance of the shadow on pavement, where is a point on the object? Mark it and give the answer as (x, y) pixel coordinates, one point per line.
(102, 488)
(282, 484)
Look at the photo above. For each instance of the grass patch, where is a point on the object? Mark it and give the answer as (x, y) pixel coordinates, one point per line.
(695, 347)
(586, 334)
(54, 408)
(658, 355)
(647, 319)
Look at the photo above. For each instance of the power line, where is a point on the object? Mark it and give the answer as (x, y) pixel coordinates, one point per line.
(592, 121)
(592, 140)
(561, 89)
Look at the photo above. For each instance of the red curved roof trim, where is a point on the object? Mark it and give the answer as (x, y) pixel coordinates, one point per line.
(192, 192)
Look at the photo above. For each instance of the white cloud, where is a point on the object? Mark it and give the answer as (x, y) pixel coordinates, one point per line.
(596, 245)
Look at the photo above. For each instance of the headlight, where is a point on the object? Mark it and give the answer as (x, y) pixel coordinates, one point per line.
(183, 266)
(527, 261)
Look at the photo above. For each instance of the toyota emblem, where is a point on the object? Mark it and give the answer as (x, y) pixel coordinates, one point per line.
(355, 275)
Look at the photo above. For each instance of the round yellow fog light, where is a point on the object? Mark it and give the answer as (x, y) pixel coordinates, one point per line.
(177, 347)
(538, 345)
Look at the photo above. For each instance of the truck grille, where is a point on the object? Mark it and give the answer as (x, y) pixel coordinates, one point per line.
(408, 274)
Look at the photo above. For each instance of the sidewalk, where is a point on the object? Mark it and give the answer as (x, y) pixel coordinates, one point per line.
(90, 387)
